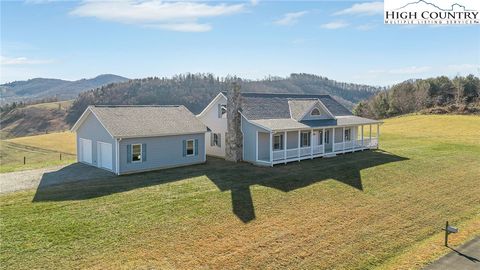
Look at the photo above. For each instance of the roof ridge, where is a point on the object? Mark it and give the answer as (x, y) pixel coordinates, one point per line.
(113, 106)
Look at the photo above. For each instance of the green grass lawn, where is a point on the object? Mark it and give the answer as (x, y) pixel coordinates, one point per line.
(372, 209)
(39, 151)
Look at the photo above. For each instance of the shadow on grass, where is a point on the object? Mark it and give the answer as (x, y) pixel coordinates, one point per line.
(85, 182)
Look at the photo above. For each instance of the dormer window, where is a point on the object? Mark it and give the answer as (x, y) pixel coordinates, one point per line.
(315, 112)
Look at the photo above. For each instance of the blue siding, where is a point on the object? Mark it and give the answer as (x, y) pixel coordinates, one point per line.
(162, 152)
(93, 130)
(249, 140)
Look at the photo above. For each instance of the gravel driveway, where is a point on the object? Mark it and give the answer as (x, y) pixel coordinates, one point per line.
(14, 181)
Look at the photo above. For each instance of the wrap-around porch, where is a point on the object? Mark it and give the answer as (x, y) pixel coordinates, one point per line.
(282, 146)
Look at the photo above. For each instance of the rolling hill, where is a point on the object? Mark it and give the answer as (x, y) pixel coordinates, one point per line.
(45, 88)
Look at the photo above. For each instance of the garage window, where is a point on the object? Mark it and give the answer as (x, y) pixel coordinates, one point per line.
(190, 147)
(136, 152)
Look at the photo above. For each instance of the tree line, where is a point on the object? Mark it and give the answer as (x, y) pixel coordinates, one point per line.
(195, 91)
(436, 95)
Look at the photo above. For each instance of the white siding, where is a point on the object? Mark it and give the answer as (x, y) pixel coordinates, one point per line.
(216, 125)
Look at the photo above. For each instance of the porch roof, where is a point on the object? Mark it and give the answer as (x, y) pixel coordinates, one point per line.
(289, 123)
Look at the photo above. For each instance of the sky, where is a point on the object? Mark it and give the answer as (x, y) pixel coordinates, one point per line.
(342, 40)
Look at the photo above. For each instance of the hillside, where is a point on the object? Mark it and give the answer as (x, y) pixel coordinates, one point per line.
(46, 88)
(35, 119)
(196, 90)
(440, 95)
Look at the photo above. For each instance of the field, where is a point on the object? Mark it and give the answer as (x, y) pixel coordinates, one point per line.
(39, 151)
(372, 209)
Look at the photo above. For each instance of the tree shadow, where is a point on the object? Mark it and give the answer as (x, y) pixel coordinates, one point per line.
(85, 182)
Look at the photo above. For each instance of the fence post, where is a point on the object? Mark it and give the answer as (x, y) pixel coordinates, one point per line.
(60, 156)
(24, 160)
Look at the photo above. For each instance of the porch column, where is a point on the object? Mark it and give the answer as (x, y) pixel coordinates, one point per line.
(323, 141)
(311, 143)
(370, 143)
(378, 135)
(362, 137)
(271, 148)
(343, 138)
(298, 149)
(284, 145)
(333, 140)
(256, 148)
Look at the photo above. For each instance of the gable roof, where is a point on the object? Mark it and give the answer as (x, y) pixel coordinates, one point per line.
(298, 107)
(144, 121)
(276, 106)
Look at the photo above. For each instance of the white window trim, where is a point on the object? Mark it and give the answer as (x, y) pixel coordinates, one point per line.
(223, 115)
(193, 148)
(315, 115)
(215, 139)
(280, 143)
(308, 139)
(141, 151)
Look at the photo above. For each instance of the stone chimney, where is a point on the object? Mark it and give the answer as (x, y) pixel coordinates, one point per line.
(233, 138)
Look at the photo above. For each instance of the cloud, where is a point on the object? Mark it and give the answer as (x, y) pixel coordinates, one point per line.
(334, 25)
(370, 8)
(254, 2)
(174, 16)
(290, 18)
(10, 61)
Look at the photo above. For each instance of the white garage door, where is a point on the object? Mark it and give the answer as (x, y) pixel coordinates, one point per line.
(104, 154)
(85, 150)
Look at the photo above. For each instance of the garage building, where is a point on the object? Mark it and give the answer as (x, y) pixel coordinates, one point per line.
(128, 139)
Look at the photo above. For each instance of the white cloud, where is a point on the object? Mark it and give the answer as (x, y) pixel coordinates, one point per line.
(183, 27)
(370, 8)
(290, 18)
(334, 25)
(9, 61)
(175, 16)
(254, 2)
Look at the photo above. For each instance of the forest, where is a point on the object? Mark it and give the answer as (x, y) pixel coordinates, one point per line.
(460, 95)
(195, 91)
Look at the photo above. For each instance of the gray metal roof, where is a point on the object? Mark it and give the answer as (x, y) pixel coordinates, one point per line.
(147, 121)
(288, 123)
(276, 106)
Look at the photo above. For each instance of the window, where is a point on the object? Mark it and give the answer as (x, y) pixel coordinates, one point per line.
(347, 135)
(320, 137)
(315, 112)
(278, 142)
(305, 139)
(136, 152)
(216, 139)
(327, 136)
(223, 111)
(190, 147)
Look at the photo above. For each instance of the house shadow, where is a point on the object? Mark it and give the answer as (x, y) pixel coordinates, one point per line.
(80, 182)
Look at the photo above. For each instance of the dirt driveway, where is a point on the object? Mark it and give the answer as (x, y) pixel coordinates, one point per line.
(14, 181)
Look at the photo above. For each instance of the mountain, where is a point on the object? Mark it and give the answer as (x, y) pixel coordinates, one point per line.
(39, 88)
(195, 91)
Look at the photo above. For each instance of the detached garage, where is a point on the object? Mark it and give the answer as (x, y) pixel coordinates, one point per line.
(128, 139)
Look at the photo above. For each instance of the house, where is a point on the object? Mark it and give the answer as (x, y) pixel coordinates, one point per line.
(127, 139)
(280, 128)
